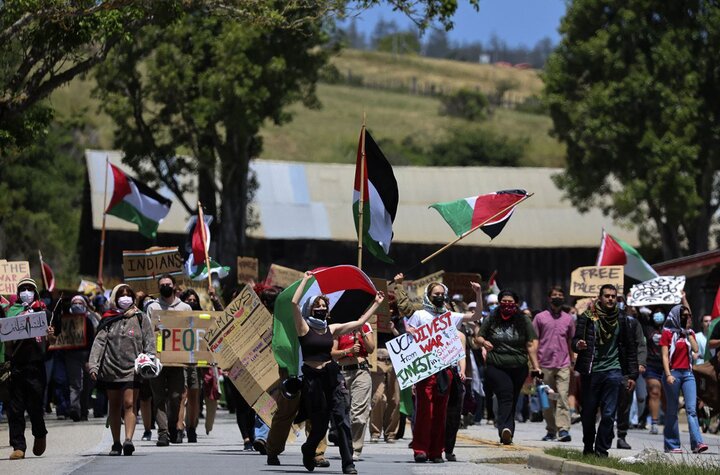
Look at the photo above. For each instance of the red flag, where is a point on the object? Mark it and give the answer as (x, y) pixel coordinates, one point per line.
(716, 306)
(49, 276)
(199, 246)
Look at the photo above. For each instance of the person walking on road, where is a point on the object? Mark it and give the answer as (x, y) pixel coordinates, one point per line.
(625, 399)
(607, 353)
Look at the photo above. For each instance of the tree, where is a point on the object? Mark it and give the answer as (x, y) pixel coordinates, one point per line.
(206, 85)
(634, 91)
(438, 45)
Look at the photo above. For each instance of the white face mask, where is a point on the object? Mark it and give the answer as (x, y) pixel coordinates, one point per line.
(124, 302)
(27, 296)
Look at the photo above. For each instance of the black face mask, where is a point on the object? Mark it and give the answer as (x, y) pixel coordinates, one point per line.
(166, 290)
(195, 306)
(557, 301)
(438, 300)
(320, 313)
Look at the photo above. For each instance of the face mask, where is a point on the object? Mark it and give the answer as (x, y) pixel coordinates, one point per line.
(77, 308)
(166, 290)
(492, 307)
(621, 305)
(195, 306)
(557, 301)
(27, 296)
(658, 318)
(320, 313)
(124, 302)
(508, 309)
(438, 300)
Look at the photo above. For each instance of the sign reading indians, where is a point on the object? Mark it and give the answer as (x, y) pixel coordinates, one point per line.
(247, 269)
(142, 268)
(586, 281)
(12, 272)
(73, 332)
(22, 327)
(181, 337)
(433, 347)
(664, 290)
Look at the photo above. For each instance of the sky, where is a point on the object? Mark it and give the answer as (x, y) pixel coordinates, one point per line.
(517, 22)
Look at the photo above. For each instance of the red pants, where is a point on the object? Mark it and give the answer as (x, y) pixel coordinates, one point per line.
(430, 411)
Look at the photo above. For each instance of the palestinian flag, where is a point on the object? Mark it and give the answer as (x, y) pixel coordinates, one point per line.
(49, 276)
(616, 252)
(493, 209)
(136, 202)
(195, 265)
(380, 198)
(492, 283)
(199, 244)
(199, 272)
(350, 292)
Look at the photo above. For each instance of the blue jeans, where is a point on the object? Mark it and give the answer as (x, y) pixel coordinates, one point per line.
(261, 429)
(684, 380)
(600, 390)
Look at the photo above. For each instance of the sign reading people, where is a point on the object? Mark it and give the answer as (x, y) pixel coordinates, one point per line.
(73, 333)
(22, 327)
(433, 347)
(247, 269)
(12, 272)
(141, 269)
(240, 340)
(586, 281)
(663, 290)
(181, 337)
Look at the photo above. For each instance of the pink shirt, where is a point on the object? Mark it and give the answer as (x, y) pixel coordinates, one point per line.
(553, 335)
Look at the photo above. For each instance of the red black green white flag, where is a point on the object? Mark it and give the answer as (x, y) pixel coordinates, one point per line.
(616, 252)
(136, 202)
(380, 198)
(495, 208)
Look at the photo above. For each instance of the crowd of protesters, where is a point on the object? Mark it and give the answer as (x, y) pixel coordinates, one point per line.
(605, 365)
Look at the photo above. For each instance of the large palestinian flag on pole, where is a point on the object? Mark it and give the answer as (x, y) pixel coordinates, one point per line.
(136, 202)
(380, 197)
(350, 292)
(616, 252)
(493, 209)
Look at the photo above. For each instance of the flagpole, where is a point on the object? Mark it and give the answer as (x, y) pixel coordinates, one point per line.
(361, 203)
(42, 269)
(201, 223)
(467, 233)
(102, 233)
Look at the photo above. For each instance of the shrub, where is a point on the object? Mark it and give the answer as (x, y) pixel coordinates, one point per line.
(471, 147)
(466, 104)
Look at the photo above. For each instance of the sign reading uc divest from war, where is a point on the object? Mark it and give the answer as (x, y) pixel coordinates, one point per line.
(181, 337)
(433, 347)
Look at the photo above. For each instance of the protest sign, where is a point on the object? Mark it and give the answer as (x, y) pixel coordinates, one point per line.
(459, 283)
(416, 288)
(22, 327)
(142, 268)
(282, 276)
(664, 290)
(382, 315)
(433, 347)
(240, 341)
(180, 336)
(73, 332)
(586, 281)
(12, 272)
(247, 269)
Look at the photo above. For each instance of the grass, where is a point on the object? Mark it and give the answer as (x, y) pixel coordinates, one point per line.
(701, 467)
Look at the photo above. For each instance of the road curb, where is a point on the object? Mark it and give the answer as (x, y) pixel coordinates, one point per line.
(569, 467)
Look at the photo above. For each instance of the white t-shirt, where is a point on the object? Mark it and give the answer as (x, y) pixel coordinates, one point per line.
(423, 317)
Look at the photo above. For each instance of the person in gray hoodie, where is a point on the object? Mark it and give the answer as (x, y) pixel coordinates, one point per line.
(168, 387)
(123, 333)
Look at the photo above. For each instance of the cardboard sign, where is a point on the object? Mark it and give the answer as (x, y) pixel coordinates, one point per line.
(22, 327)
(416, 288)
(664, 290)
(241, 343)
(142, 268)
(12, 272)
(247, 269)
(382, 315)
(459, 283)
(433, 347)
(282, 276)
(73, 333)
(180, 337)
(586, 281)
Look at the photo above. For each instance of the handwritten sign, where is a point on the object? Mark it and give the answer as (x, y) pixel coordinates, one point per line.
(180, 337)
(142, 268)
(73, 333)
(22, 327)
(247, 269)
(433, 347)
(282, 276)
(459, 283)
(586, 281)
(12, 272)
(664, 290)
(240, 340)
(416, 288)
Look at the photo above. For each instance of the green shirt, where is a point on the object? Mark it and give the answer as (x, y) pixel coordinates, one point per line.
(508, 339)
(607, 356)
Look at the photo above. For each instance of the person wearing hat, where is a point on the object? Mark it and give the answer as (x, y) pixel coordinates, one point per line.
(27, 373)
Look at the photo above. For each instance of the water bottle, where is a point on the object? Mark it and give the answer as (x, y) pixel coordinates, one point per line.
(543, 395)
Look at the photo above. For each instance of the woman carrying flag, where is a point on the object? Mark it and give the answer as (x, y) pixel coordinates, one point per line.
(324, 390)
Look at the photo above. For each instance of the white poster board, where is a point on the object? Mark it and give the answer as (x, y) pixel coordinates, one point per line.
(22, 327)
(663, 290)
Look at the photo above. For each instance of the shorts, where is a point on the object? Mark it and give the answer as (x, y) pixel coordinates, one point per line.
(653, 373)
(192, 378)
(145, 390)
(118, 385)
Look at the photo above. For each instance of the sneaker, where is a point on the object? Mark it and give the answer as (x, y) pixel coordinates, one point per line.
(248, 446)
(451, 457)
(17, 455)
(259, 446)
(178, 439)
(322, 462)
(654, 430)
(564, 436)
(420, 457)
(506, 436)
(116, 449)
(273, 460)
(575, 418)
(128, 447)
(700, 449)
(622, 444)
(374, 440)
(390, 441)
(147, 435)
(550, 436)
(39, 446)
(350, 469)
(163, 440)
(356, 457)
(674, 451)
(192, 436)
(438, 460)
